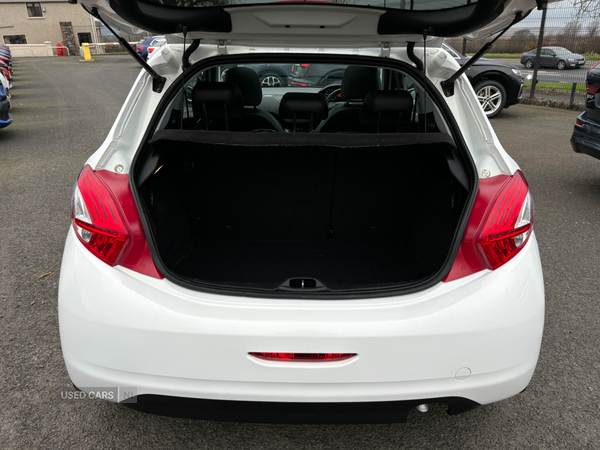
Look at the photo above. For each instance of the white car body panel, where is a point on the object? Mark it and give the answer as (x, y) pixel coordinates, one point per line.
(123, 329)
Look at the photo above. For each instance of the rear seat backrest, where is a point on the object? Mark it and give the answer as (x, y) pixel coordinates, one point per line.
(387, 112)
(217, 106)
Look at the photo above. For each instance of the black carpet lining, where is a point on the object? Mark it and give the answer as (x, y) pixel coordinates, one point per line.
(257, 216)
(268, 264)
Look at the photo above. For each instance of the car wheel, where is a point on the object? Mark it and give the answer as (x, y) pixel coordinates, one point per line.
(272, 80)
(491, 96)
(561, 65)
(529, 64)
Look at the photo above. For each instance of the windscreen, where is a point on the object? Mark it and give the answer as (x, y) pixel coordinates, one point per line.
(417, 5)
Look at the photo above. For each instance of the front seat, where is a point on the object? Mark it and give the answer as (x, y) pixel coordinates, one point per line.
(217, 106)
(304, 110)
(357, 82)
(248, 83)
(387, 112)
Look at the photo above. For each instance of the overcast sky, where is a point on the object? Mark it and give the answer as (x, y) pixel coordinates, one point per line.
(558, 15)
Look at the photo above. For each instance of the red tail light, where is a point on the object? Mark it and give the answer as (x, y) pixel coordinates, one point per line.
(150, 50)
(307, 357)
(500, 225)
(591, 89)
(305, 66)
(97, 218)
(509, 223)
(295, 83)
(140, 48)
(107, 223)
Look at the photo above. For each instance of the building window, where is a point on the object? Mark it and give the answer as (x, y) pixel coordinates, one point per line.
(34, 9)
(15, 39)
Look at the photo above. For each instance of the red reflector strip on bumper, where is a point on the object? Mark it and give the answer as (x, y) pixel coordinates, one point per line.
(308, 357)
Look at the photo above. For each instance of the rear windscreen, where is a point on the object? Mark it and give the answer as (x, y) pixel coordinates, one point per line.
(304, 96)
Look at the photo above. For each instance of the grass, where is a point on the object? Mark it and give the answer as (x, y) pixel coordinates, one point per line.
(564, 87)
(588, 56)
(499, 55)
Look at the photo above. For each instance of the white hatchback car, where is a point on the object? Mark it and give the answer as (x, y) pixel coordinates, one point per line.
(340, 253)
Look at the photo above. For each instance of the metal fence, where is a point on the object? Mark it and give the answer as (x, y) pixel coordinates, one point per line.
(562, 28)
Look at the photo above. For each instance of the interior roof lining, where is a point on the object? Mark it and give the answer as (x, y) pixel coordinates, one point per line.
(455, 21)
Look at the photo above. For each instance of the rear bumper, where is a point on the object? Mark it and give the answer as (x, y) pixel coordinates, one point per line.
(477, 338)
(586, 138)
(282, 412)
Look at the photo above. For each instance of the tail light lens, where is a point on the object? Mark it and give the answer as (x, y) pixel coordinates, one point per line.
(107, 222)
(500, 225)
(509, 222)
(591, 89)
(150, 50)
(305, 66)
(140, 48)
(97, 218)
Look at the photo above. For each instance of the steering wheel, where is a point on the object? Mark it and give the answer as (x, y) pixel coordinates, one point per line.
(334, 96)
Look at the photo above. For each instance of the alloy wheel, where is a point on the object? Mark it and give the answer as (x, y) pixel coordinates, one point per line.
(271, 81)
(490, 99)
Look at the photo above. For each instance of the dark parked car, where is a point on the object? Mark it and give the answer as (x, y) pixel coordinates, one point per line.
(586, 134)
(308, 75)
(5, 118)
(555, 57)
(272, 75)
(497, 85)
(269, 75)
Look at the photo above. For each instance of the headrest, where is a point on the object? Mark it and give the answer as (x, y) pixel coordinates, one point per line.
(215, 101)
(358, 81)
(302, 105)
(386, 112)
(380, 101)
(247, 81)
(214, 92)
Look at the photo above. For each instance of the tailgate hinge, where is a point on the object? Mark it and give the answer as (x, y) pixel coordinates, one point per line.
(386, 49)
(222, 47)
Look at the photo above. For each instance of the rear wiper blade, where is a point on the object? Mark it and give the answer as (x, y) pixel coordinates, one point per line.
(158, 82)
(448, 85)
